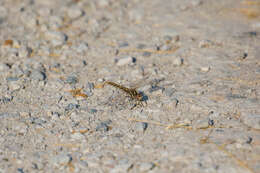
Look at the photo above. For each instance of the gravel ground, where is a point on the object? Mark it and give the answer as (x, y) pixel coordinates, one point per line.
(195, 62)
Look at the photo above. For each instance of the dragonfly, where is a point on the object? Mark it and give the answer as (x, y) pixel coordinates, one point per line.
(131, 92)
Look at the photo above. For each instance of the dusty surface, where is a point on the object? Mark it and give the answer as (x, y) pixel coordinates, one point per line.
(195, 61)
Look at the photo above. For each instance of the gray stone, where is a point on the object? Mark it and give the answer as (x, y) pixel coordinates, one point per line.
(196, 2)
(123, 166)
(146, 166)
(38, 75)
(71, 80)
(104, 126)
(61, 159)
(141, 126)
(71, 106)
(56, 38)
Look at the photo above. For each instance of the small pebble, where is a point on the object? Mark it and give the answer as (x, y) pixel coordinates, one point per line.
(20, 170)
(61, 159)
(144, 167)
(25, 52)
(38, 75)
(196, 2)
(4, 67)
(103, 126)
(81, 48)
(14, 86)
(125, 61)
(141, 126)
(178, 61)
(71, 80)
(205, 69)
(90, 86)
(200, 124)
(56, 38)
(147, 54)
(123, 44)
(71, 106)
(92, 111)
(74, 12)
(123, 166)
(21, 127)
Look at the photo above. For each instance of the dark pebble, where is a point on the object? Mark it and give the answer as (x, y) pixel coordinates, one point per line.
(20, 170)
(211, 122)
(249, 140)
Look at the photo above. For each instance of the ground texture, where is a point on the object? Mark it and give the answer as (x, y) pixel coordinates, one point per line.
(195, 62)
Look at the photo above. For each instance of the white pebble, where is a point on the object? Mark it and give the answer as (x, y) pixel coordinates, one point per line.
(178, 61)
(74, 12)
(14, 86)
(205, 69)
(77, 136)
(125, 61)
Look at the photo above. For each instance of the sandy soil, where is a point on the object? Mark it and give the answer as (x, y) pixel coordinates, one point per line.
(195, 62)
